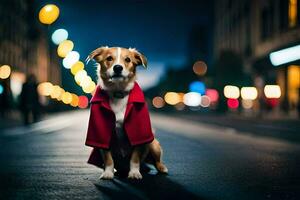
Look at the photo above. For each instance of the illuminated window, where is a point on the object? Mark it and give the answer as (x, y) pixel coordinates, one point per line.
(292, 13)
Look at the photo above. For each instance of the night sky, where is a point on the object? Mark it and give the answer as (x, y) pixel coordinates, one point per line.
(159, 29)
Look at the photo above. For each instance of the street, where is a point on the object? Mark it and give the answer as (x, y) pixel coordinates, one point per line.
(205, 161)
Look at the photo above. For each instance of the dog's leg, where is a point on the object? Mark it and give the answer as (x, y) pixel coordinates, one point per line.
(136, 157)
(156, 151)
(108, 165)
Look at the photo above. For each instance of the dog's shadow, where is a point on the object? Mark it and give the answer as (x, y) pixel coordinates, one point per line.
(152, 186)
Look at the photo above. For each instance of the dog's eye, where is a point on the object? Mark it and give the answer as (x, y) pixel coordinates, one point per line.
(127, 60)
(109, 58)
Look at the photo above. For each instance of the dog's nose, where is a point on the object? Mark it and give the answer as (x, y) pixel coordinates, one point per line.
(118, 69)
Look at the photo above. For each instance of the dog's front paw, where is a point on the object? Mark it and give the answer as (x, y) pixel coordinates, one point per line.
(161, 168)
(107, 175)
(135, 174)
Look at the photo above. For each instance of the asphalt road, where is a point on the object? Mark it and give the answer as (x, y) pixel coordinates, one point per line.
(286, 129)
(48, 161)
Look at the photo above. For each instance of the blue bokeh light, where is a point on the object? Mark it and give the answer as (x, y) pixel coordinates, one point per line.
(59, 35)
(1, 89)
(197, 86)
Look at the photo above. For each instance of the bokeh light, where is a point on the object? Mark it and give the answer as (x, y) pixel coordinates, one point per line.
(77, 67)
(272, 102)
(5, 71)
(247, 103)
(192, 99)
(62, 91)
(83, 102)
(48, 14)
(197, 86)
(249, 93)
(80, 76)
(158, 102)
(45, 88)
(200, 68)
(66, 97)
(1, 89)
(205, 101)
(272, 91)
(172, 98)
(75, 100)
(64, 48)
(71, 58)
(212, 94)
(85, 81)
(231, 92)
(232, 103)
(180, 106)
(90, 88)
(56, 92)
(59, 35)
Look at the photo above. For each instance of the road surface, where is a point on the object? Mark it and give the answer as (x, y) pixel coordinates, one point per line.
(48, 161)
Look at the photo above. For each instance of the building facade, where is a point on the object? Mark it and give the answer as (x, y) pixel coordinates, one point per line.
(254, 29)
(24, 45)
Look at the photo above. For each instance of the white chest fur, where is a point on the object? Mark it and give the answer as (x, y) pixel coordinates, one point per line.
(118, 106)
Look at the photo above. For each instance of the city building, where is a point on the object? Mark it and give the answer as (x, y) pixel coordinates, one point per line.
(254, 29)
(24, 45)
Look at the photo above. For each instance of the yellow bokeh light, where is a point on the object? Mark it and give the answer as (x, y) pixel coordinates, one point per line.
(45, 88)
(62, 91)
(80, 76)
(272, 91)
(293, 13)
(64, 48)
(90, 88)
(172, 98)
(67, 97)
(77, 67)
(56, 92)
(249, 93)
(5, 71)
(86, 81)
(231, 92)
(74, 101)
(48, 14)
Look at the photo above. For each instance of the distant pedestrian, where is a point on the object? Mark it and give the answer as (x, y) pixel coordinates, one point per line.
(29, 100)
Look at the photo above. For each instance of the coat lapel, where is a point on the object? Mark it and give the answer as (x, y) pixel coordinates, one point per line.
(136, 96)
(101, 97)
(128, 109)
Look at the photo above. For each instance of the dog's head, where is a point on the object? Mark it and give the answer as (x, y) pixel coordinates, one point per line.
(116, 64)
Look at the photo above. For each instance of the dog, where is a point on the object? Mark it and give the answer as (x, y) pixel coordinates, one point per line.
(116, 70)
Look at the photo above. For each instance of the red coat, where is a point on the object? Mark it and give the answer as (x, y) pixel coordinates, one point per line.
(102, 121)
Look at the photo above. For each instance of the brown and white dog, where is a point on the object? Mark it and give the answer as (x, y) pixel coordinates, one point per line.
(117, 73)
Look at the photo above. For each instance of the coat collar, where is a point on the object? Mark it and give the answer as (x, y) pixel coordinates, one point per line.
(135, 95)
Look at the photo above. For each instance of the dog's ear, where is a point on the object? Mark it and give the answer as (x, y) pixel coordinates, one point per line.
(140, 58)
(97, 54)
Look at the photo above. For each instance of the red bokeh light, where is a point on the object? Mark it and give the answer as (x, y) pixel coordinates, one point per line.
(233, 103)
(272, 102)
(83, 102)
(212, 94)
